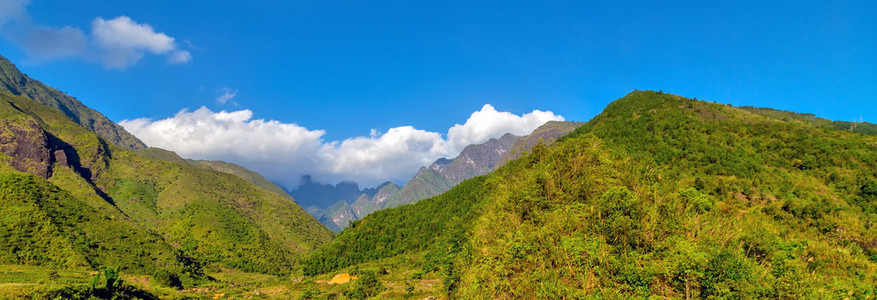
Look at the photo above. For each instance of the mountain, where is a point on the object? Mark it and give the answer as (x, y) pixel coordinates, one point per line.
(659, 195)
(72, 200)
(547, 134)
(17, 83)
(443, 174)
(316, 196)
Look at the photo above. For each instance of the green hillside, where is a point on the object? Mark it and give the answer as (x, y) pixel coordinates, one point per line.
(73, 200)
(859, 127)
(244, 173)
(658, 195)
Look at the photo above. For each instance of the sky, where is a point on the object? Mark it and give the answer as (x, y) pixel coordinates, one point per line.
(370, 90)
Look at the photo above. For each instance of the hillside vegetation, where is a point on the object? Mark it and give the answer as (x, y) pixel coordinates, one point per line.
(658, 195)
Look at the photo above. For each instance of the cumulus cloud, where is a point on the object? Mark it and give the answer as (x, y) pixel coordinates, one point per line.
(124, 42)
(283, 152)
(488, 123)
(116, 43)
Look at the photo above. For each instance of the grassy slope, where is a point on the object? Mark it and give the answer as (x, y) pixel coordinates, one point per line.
(211, 217)
(244, 173)
(658, 195)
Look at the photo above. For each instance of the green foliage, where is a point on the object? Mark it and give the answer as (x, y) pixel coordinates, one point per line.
(112, 278)
(167, 279)
(695, 200)
(366, 286)
(409, 228)
(620, 214)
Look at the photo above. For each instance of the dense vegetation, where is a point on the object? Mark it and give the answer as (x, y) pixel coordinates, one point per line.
(859, 127)
(658, 195)
(390, 232)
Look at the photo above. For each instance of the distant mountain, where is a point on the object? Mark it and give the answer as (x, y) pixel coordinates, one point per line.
(315, 195)
(443, 174)
(72, 200)
(17, 83)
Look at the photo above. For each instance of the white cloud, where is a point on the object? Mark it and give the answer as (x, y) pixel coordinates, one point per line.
(283, 152)
(227, 95)
(116, 43)
(394, 155)
(124, 42)
(488, 123)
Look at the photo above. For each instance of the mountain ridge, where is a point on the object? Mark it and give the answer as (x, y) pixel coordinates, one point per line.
(17, 83)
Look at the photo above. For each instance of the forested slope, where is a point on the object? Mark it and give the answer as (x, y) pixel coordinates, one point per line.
(658, 195)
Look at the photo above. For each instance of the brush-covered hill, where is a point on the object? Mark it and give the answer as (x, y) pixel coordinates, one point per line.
(72, 200)
(658, 195)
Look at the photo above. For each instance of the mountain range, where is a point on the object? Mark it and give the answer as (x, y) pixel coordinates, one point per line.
(346, 203)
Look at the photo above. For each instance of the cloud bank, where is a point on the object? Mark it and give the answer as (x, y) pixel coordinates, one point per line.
(283, 152)
(116, 43)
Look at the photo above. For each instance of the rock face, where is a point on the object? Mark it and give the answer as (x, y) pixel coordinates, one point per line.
(474, 160)
(28, 146)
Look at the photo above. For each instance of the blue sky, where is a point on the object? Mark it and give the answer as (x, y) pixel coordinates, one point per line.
(344, 68)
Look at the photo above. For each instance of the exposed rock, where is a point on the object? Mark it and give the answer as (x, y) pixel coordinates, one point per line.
(61, 158)
(28, 145)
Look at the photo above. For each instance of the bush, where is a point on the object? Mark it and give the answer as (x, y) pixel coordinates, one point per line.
(366, 286)
(168, 279)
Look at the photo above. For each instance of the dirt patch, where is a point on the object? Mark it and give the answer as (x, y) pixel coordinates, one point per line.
(341, 278)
